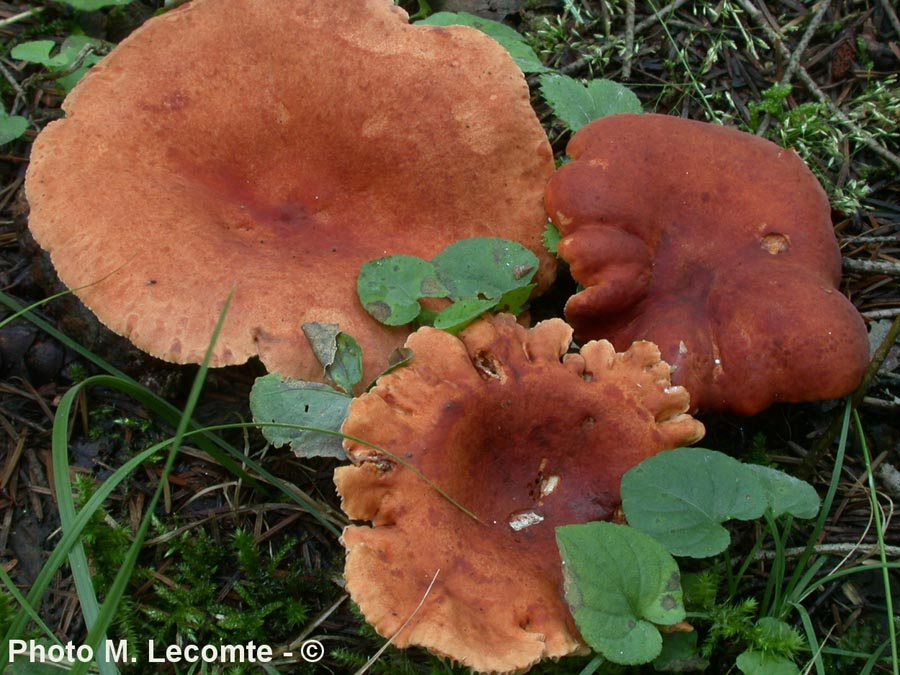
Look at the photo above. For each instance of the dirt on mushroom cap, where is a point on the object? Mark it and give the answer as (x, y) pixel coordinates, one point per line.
(273, 147)
(717, 246)
(525, 437)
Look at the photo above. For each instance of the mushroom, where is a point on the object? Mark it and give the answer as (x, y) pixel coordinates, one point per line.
(273, 147)
(716, 245)
(523, 436)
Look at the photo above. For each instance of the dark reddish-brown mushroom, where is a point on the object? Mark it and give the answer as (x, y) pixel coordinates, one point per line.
(273, 147)
(717, 246)
(524, 437)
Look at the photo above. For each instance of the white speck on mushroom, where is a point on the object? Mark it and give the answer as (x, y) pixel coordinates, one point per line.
(548, 485)
(718, 362)
(682, 348)
(522, 519)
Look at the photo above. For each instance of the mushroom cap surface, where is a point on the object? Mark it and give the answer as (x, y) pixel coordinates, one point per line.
(716, 245)
(273, 147)
(523, 436)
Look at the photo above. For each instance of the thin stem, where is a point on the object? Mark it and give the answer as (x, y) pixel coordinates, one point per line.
(879, 530)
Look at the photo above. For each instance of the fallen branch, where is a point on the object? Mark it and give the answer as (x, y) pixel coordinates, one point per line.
(876, 266)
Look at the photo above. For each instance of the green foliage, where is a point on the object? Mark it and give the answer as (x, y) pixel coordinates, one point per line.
(479, 275)
(619, 583)
(108, 422)
(860, 640)
(75, 56)
(7, 610)
(818, 133)
(683, 496)
(11, 126)
(761, 663)
(765, 640)
(786, 494)
(512, 40)
(731, 623)
(338, 352)
(772, 102)
(106, 539)
(551, 238)
(576, 104)
(264, 603)
(701, 589)
(311, 405)
(556, 37)
(680, 653)
(390, 288)
(620, 579)
(93, 5)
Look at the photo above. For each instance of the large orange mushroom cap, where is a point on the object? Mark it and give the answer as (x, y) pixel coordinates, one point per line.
(523, 436)
(716, 245)
(275, 146)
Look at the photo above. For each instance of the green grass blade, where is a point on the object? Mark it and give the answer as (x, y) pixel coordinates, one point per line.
(14, 591)
(879, 531)
(117, 589)
(69, 538)
(78, 561)
(214, 446)
(811, 638)
(771, 604)
(874, 658)
(793, 591)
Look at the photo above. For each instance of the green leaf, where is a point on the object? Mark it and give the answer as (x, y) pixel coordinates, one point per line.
(485, 268)
(761, 663)
(514, 42)
(347, 369)
(515, 300)
(37, 51)
(680, 654)
(390, 288)
(339, 353)
(69, 81)
(11, 127)
(92, 5)
(618, 583)
(576, 104)
(316, 406)
(551, 238)
(786, 494)
(461, 313)
(681, 497)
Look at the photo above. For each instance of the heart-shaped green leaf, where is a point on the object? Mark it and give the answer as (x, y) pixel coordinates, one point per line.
(681, 497)
(619, 582)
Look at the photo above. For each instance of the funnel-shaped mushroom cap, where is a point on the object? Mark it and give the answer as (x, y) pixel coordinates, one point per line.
(274, 146)
(716, 245)
(526, 439)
